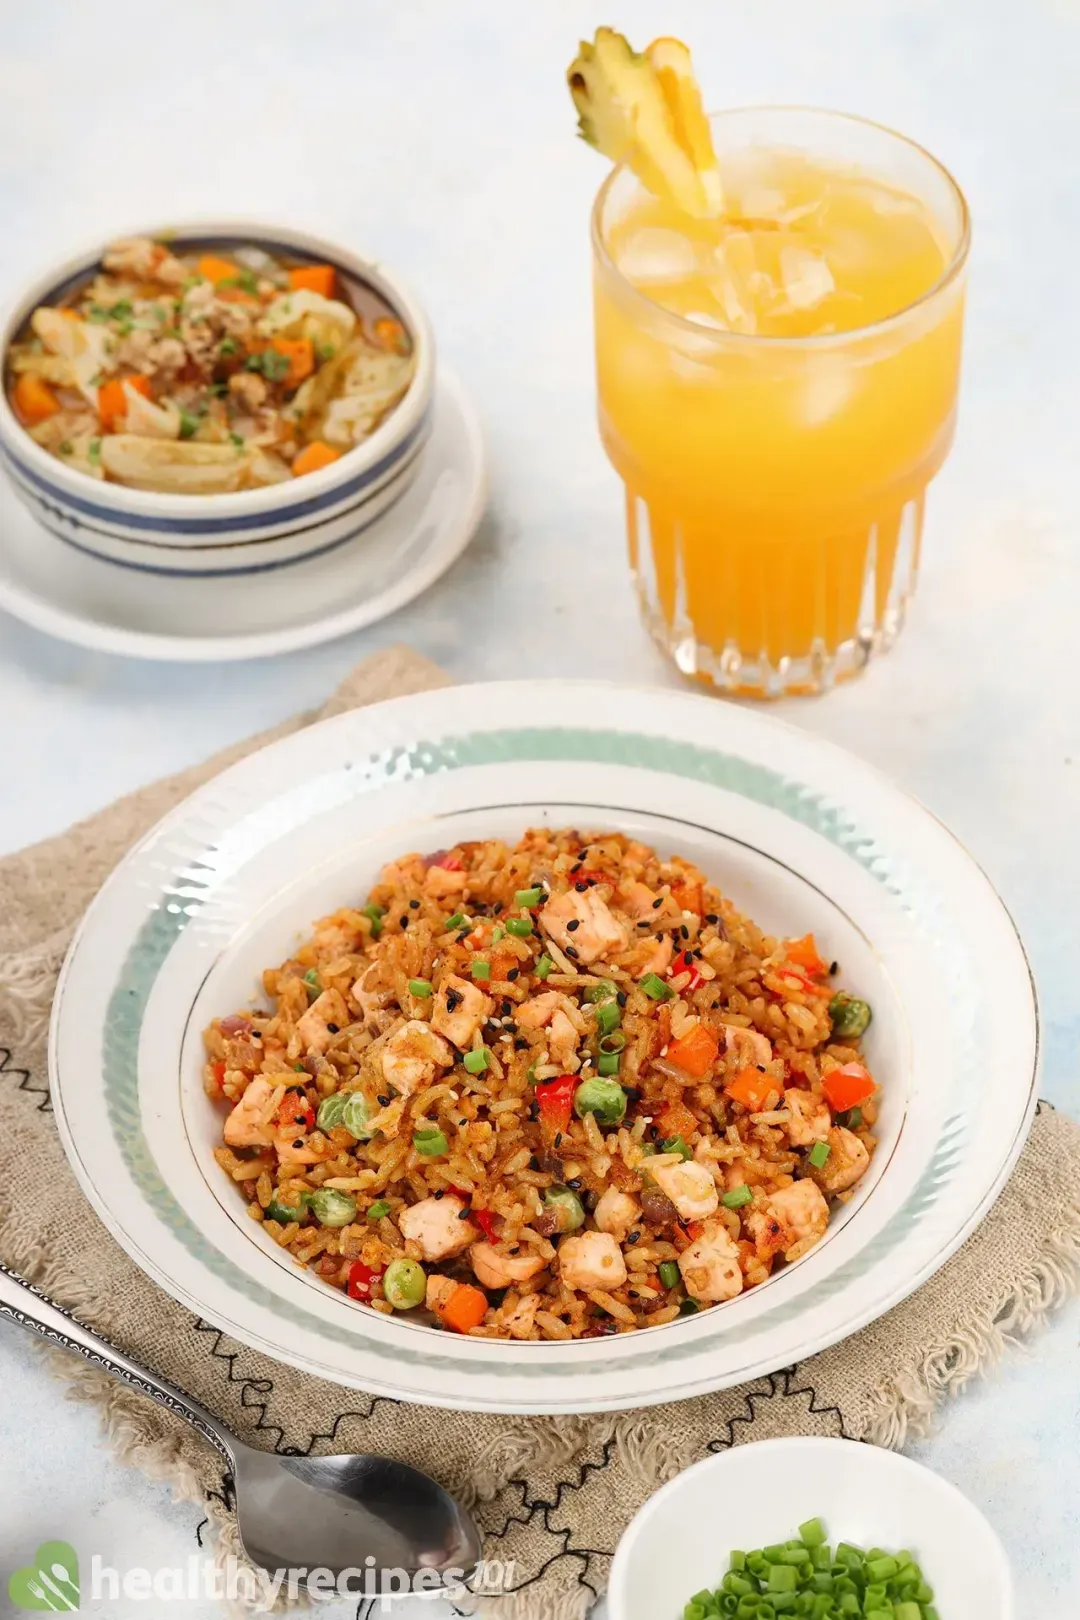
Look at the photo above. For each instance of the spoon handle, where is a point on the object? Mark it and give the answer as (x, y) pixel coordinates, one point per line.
(21, 1302)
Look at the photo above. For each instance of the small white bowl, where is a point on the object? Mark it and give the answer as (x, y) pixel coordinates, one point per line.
(752, 1495)
(255, 529)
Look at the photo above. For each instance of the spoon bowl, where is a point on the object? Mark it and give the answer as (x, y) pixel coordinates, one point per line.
(323, 1515)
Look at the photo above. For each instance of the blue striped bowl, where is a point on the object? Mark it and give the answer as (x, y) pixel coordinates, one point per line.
(228, 534)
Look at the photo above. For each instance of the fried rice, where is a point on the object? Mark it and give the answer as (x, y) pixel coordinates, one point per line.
(546, 1091)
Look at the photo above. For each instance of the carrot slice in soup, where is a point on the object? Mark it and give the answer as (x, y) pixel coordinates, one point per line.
(112, 401)
(313, 456)
(317, 278)
(34, 400)
(300, 353)
(215, 269)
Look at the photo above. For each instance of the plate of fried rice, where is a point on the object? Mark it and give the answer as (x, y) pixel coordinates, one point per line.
(544, 1047)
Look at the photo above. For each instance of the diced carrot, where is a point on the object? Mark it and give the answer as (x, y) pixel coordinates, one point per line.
(316, 278)
(112, 401)
(300, 353)
(465, 1308)
(804, 953)
(34, 400)
(215, 269)
(502, 963)
(751, 1088)
(694, 1052)
(312, 457)
(390, 334)
(848, 1087)
(694, 1230)
(689, 897)
(676, 1120)
(218, 1072)
(69, 313)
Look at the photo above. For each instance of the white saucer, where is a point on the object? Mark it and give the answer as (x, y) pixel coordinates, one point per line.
(107, 607)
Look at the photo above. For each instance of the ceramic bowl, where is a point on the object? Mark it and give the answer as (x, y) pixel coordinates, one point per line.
(753, 1495)
(255, 529)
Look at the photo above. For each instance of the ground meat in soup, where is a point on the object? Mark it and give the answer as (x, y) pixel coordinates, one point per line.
(206, 370)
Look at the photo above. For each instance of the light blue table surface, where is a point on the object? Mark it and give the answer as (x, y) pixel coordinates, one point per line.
(441, 136)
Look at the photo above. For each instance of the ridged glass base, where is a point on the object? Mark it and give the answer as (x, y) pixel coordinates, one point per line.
(770, 618)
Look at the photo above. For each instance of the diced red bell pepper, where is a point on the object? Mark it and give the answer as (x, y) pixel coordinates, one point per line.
(848, 1087)
(685, 963)
(296, 1110)
(485, 1220)
(556, 1098)
(587, 875)
(446, 862)
(218, 1072)
(362, 1280)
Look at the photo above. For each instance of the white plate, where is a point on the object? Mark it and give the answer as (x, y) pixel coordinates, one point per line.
(799, 833)
(756, 1495)
(82, 598)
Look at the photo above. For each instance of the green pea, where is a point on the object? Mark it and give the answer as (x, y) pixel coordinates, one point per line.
(849, 1015)
(404, 1284)
(276, 1211)
(602, 1097)
(332, 1208)
(331, 1110)
(355, 1116)
(566, 1206)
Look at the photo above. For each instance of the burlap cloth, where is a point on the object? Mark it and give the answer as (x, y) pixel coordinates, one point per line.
(552, 1495)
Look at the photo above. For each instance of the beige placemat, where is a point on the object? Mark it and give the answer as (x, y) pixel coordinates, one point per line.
(552, 1496)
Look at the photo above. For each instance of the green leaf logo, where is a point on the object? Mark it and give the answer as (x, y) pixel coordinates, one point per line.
(50, 1583)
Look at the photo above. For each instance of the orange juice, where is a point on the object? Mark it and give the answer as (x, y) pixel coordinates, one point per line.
(776, 389)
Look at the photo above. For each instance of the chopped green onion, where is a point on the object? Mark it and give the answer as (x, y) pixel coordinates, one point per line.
(455, 921)
(882, 1569)
(782, 1578)
(607, 1063)
(528, 898)
(421, 987)
(497, 933)
(608, 1016)
(601, 990)
(378, 1210)
(655, 988)
(375, 914)
(613, 1042)
(519, 926)
(544, 966)
(819, 1153)
(312, 980)
(669, 1276)
(689, 1307)
(481, 969)
(477, 1060)
(736, 1198)
(675, 1144)
(431, 1143)
(851, 1120)
(812, 1532)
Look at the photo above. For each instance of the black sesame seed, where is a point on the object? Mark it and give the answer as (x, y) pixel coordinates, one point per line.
(632, 1093)
(534, 1162)
(645, 924)
(512, 974)
(570, 951)
(509, 1026)
(440, 1192)
(657, 904)
(463, 1214)
(335, 1029)
(834, 968)
(576, 868)
(684, 931)
(574, 1185)
(633, 1237)
(534, 1110)
(761, 1068)
(299, 1142)
(521, 1045)
(574, 923)
(383, 1102)
(496, 908)
(453, 999)
(712, 918)
(558, 1138)
(507, 1008)
(620, 997)
(414, 905)
(581, 887)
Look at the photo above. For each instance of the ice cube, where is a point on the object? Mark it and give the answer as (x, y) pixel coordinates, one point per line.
(737, 286)
(829, 387)
(652, 256)
(806, 277)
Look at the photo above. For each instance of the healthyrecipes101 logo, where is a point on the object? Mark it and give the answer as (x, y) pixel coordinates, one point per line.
(50, 1582)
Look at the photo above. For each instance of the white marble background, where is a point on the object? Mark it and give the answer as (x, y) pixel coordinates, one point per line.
(441, 136)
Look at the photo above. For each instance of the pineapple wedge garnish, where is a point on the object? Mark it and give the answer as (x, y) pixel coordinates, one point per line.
(645, 110)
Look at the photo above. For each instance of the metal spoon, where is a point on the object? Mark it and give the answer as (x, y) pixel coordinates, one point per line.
(311, 1513)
